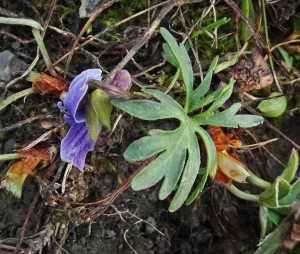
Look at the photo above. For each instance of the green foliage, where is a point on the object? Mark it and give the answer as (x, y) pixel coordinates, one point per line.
(179, 152)
(15, 185)
(89, 30)
(97, 113)
(107, 163)
(92, 122)
(288, 60)
(289, 172)
(248, 10)
(65, 11)
(231, 59)
(42, 4)
(211, 26)
(273, 107)
(279, 189)
(276, 201)
(102, 106)
(296, 24)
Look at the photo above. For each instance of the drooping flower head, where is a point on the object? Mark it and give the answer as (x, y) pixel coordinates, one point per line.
(77, 143)
(228, 167)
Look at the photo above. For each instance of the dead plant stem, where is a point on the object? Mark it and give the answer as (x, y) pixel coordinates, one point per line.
(91, 19)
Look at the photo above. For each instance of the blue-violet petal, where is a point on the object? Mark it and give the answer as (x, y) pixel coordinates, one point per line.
(75, 98)
(76, 144)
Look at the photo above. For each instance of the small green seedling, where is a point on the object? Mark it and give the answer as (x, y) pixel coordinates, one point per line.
(273, 107)
(178, 161)
(288, 60)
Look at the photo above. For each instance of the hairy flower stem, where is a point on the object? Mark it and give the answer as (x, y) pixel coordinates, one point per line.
(258, 182)
(241, 194)
(10, 156)
(14, 97)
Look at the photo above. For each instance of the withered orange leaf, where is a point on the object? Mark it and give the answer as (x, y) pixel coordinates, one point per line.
(18, 172)
(44, 84)
(221, 140)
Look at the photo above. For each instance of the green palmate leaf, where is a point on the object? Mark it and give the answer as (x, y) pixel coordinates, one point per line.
(290, 170)
(180, 154)
(183, 60)
(211, 162)
(203, 88)
(186, 69)
(178, 161)
(179, 158)
(279, 189)
(248, 10)
(220, 94)
(273, 107)
(92, 122)
(227, 118)
(231, 60)
(102, 106)
(167, 51)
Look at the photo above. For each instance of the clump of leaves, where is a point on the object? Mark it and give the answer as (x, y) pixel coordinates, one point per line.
(288, 60)
(179, 151)
(276, 201)
(65, 11)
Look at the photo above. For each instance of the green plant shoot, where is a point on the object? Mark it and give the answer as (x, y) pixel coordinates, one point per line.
(179, 159)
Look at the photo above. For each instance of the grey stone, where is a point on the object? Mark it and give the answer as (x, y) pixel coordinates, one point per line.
(150, 229)
(9, 64)
(89, 7)
(15, 44)
(9, 146)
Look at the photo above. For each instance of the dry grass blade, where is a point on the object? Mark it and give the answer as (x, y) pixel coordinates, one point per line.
(44, 137)
(268, 124)
(45, 26)
(142, 41)
(27, 121)
(91, 19)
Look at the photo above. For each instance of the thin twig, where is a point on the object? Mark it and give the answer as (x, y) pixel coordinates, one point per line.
(269, 125)
(112, 197)
(38, 50)
(95, 37)
(26, 121)
(22, 231)
(142, 41)
(12, 36)
(128, 242)
(91, 19)
(43, 137)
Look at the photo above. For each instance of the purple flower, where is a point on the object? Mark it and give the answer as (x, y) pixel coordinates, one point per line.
(77, 143)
